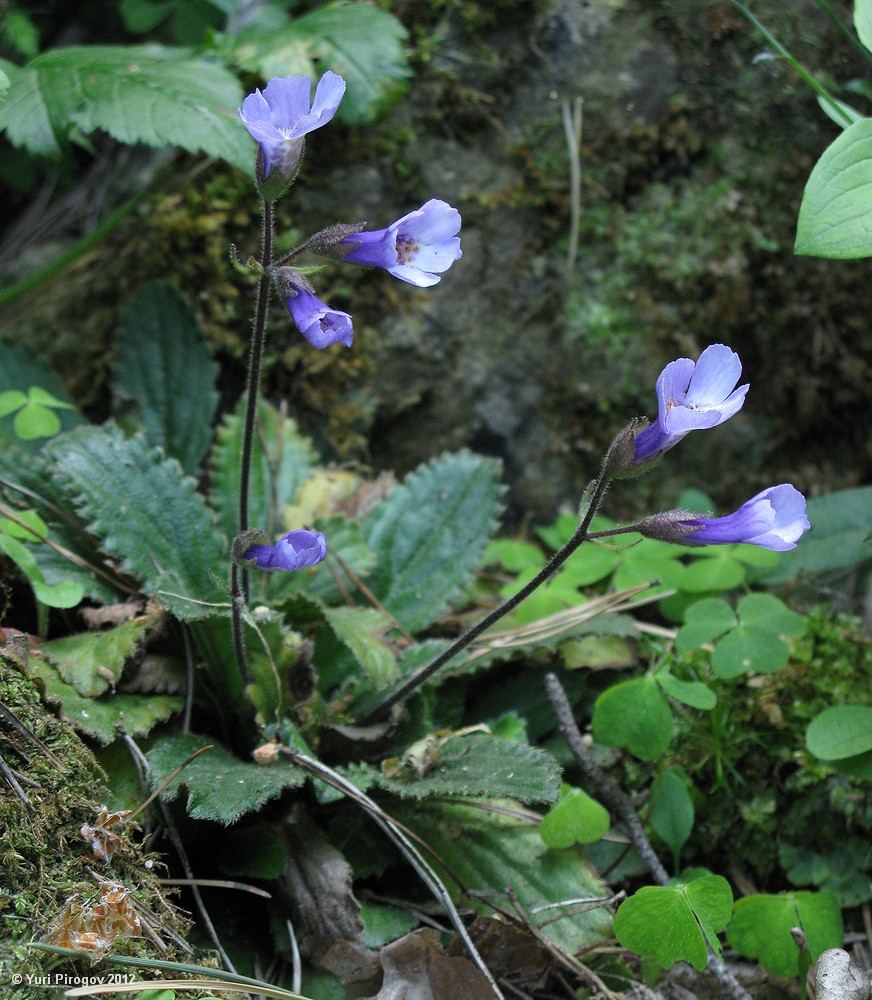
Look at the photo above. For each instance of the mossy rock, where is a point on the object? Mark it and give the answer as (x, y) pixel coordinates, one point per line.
(54, 883)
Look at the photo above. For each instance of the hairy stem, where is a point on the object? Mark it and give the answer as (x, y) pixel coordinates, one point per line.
(239, 579)
(413, 682)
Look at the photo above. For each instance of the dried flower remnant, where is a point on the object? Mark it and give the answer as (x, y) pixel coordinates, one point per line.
(95, 927)
(104, 840)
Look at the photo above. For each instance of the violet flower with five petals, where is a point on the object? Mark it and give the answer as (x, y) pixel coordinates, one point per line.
(692, 397)
(294, 550)
(416, 248)
(317, 322)
(281, 116)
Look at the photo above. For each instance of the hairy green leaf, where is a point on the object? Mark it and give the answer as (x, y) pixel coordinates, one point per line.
(221, 787)
(29, 477)
(834, 217)
(151, 94)
(97, 716)
(163, 363)
(429, 535)
(360, 42)
(761, 927)
(362, 630)
(488, 851)
(94, 661)
(281, 461)
(147, 513)
(480, 765)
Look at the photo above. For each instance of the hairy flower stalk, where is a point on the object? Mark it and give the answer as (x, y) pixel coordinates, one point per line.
(691, 397)
(279, 118)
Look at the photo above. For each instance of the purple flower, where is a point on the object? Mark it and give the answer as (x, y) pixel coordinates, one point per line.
(281, 117)
(692, 397)
(416, 248)
(294, 550)
(317, 322)
(774, 519)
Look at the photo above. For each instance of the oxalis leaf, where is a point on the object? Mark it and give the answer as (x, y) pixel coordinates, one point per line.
(674, 923)
(430, 533)
(488, 851)
(634, 714)
(761, 927)
(221, 787)
(147, 513)
(152, 94)
(479, 764)
(162, 362)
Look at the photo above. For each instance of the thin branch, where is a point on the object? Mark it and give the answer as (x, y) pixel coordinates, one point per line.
(619, 803)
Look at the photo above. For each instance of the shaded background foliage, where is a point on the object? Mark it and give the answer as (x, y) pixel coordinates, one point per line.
(694, 156)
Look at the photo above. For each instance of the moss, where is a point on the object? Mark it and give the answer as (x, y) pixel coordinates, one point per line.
(45, 863)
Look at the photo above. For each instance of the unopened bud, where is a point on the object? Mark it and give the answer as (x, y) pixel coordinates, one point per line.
(267, 753)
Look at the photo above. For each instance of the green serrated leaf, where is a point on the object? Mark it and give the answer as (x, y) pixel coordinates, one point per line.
(151, 94)
(576, 819)
(840, 731)
(761, 926)
(362, 630)
(281, 461)
(834, 218)
(148, 515)
(430, 533)
(94, 661)
(489, 851)
(221, 787)
(382, 924)
(634, 714)
(749, 649)
(31, 475)
(360, 42)
(162, 361)
(481, 765)
(97, 716)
